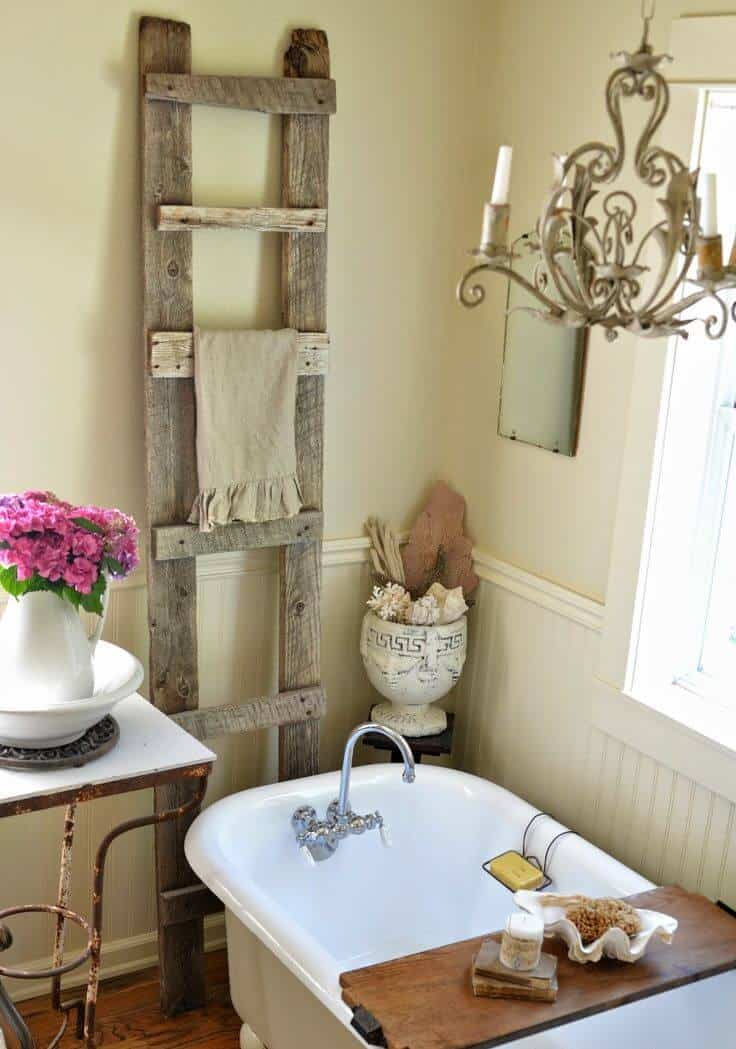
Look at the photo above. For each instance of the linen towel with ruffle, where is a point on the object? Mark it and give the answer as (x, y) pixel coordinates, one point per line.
(245, 390)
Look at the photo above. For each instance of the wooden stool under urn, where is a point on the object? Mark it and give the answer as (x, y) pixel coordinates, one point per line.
(414, 636)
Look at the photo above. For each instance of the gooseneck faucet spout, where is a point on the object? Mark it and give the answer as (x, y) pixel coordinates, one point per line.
(318, 838)
(343, 801)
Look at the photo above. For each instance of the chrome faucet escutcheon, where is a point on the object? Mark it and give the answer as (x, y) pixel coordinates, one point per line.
(318, 839)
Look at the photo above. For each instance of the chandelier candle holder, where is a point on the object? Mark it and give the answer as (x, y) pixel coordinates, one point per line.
(592, 269)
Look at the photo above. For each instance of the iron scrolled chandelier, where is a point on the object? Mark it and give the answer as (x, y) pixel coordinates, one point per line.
(590, 269)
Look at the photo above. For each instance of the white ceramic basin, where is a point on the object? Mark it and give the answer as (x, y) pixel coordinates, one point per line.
(117, 674)
(292, 929)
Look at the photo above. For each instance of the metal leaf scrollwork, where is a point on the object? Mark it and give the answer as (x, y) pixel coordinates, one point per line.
(592, 269)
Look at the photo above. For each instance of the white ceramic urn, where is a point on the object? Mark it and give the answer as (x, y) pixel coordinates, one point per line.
(45, 652)
(413, 667)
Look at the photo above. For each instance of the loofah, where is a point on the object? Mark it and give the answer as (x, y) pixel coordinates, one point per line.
(593, 918)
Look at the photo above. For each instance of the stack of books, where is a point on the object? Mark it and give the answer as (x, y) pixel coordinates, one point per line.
(492, 979)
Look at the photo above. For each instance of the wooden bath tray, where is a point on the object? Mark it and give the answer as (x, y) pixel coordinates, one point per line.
(424, 1001)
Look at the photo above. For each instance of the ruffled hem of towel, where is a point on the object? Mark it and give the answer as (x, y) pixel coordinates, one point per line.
(266, 499)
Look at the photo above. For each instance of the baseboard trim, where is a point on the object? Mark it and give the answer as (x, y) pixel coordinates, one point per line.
(119, 957)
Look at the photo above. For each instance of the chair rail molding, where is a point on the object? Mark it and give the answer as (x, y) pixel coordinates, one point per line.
(553, 596)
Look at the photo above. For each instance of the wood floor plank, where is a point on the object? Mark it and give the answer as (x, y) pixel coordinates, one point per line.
(129, 1015)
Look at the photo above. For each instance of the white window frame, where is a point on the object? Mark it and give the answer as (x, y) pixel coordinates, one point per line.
(694, 734)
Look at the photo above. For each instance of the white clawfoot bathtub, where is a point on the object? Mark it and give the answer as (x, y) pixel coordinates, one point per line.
(293, 928)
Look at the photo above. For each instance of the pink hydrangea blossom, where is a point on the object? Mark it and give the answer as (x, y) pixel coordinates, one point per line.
(53, 544)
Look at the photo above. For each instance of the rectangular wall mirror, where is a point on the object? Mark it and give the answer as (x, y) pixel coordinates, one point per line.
(543, 370)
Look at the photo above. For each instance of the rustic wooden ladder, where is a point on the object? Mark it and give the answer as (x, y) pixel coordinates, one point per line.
(305, 96)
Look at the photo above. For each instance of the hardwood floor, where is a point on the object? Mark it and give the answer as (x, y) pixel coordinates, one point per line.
(129, 1016)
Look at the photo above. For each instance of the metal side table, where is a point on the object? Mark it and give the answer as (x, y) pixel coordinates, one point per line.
(151, 751)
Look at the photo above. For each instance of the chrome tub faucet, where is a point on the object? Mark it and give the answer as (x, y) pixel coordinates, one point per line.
(318, 839)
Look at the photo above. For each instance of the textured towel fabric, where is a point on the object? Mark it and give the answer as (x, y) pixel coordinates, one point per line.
(245, 389)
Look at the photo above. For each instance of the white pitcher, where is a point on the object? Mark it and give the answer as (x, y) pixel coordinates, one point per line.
(45, 653)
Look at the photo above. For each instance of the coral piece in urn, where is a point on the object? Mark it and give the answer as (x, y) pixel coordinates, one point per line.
(438, 549)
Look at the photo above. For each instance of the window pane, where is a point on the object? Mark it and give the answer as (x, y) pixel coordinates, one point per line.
(719, 649)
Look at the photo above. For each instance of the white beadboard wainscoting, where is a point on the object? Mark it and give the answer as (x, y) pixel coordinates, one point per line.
(523, 720)
(238, 632)
(525, 701)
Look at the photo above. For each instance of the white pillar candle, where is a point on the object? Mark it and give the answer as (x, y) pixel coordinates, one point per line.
(521, 943)
(708, 206)
(502, 179)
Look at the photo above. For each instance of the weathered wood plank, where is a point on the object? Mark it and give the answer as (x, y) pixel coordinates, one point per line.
(171, 354)
(426, 1000)
(172, 217)
(300, 579)
(285, 708)
(166, 148)
(260, 93)
(303, 287)
(191, 901)
(169, 542)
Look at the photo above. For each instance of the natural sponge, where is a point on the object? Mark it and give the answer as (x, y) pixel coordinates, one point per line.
(594, 917)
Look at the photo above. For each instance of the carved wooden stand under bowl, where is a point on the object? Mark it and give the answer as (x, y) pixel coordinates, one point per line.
(304, 96)
(151, 751)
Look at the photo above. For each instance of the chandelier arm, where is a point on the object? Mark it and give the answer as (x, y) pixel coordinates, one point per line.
(654, 303)
(653, 87)
(715, 327)
(664, 316)
(475, 294)
(572, 288)
(659, 226)
(548, 242)
(569, 299)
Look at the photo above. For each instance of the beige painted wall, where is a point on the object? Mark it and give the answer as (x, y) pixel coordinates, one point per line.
(544, 90)
(70, 274)
(402, 144)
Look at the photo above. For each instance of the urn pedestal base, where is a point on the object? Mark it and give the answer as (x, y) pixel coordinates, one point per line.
(411, 721)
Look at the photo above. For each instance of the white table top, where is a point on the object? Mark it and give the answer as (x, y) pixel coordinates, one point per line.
(150, 744)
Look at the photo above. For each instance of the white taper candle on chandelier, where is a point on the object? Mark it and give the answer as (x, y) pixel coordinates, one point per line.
(502, 178)
(708, 205)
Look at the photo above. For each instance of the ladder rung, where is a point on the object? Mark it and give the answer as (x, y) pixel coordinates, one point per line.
(182, 905)
(289, 95)
(169, 542)
(171, 354)
(170, 217)
(285, 708)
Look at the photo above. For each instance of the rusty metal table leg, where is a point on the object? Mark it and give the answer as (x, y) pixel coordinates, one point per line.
(86, 1008)
(90, 1013)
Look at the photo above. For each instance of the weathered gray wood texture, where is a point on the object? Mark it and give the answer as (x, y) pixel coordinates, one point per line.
(166, 153)
(260, 93)
(303, 286)
(171, 354)
(174, 217)
(167, 91)
(285, 708)
(173, 541)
